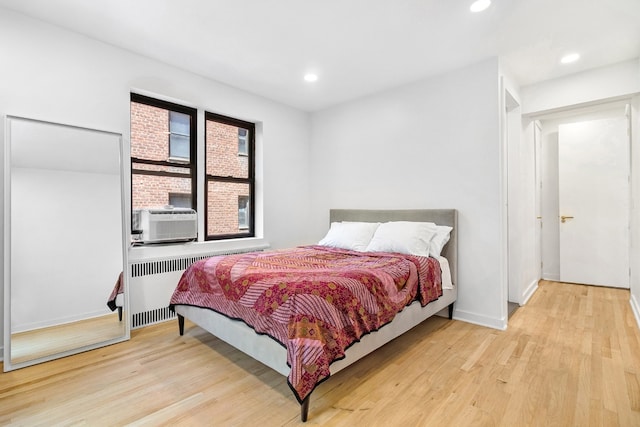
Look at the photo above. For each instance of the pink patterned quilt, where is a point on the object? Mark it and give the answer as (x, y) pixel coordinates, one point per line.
(117, 289)
(315, 301)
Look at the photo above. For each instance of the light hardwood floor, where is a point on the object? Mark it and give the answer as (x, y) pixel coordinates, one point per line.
(44, 342)
(570, 357)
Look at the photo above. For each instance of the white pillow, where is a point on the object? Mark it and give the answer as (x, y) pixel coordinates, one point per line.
(441, 238)
(404, 237)
(354, 236)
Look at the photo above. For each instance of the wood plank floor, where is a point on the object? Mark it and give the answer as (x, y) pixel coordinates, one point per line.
(44, 342)
(570, 357)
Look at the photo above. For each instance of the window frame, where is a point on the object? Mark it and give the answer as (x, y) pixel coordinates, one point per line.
(250, 180)
(190, 164)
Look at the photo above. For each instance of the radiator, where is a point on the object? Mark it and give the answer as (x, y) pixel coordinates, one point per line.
(152, 283)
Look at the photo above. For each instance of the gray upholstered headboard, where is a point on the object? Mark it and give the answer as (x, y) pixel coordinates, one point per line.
(439, 216)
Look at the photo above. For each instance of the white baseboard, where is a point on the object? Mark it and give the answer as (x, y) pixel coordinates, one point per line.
(528, 293)
(635, 306)
(25, 327)
(478, 319)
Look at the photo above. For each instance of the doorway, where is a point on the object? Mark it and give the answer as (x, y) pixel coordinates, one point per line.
(585, 158)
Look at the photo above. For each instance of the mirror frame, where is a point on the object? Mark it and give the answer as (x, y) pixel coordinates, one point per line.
(8, 366)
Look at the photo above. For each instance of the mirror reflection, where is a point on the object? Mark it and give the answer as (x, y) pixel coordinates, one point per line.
(65, 211)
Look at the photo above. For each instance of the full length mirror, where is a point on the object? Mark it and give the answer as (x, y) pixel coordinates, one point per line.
(64, 245)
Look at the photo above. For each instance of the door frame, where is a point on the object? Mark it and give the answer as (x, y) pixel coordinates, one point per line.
(537, 148)
(549, 246)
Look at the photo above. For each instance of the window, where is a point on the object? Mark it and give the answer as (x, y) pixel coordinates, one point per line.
(242, 141)
(163, 165)
(243, 212)
(180, 200)
(179, 136)
(229, 177)
(163, 153)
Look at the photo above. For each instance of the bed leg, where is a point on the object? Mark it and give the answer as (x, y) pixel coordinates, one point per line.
(450, 311)
(181, 324)
(304, 409)
(120, 314)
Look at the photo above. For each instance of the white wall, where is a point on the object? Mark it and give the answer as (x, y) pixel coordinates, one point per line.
(51, 74)
(634, 256)
(616, 80)
(524, 262)
(431, 144)
(522, 270)
(515, 207)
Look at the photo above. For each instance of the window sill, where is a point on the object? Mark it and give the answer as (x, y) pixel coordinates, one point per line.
(170, 250)
(179, 160)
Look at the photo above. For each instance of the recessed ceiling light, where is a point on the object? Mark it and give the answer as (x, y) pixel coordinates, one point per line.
(480, 5)
(310, 77)
(568, 59)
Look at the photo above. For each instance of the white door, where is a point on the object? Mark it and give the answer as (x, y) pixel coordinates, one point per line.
(594, 202)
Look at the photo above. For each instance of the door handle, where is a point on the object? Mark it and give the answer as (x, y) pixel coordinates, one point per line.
(564, 218)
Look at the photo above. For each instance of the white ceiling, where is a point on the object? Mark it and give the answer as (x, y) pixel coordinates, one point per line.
(357, 47)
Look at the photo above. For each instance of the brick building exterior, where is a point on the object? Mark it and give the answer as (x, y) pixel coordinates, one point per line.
(223, 159)
(150, 140)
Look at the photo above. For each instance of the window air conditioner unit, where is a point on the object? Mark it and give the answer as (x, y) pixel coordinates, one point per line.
(161, 225)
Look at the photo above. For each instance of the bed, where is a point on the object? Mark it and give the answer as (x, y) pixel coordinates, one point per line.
(309, 347)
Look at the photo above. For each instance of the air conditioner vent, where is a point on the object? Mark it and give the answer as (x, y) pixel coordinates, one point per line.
(162, 225)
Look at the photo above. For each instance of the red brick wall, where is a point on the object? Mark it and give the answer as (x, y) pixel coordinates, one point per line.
(149, 132)
(151, 191)
(222, 151)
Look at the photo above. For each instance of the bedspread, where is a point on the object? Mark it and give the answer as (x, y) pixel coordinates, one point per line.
(117, 289)
(315, 301)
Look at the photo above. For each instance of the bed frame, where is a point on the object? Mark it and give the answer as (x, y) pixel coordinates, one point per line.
(273, 354)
